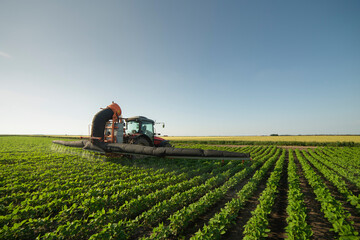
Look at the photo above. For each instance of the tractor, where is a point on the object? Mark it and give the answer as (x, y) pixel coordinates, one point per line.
(139, 130)
(108, 126)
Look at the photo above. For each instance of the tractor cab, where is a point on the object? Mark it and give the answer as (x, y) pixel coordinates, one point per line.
(140, 130)
(140, 125)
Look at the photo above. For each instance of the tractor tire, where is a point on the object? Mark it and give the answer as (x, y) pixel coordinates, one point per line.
(167, 144)
(140, 141)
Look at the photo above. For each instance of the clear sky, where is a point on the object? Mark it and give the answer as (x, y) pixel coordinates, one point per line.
(203, 67)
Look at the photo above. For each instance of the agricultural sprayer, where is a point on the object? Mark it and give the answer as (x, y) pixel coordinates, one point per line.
(111, 133)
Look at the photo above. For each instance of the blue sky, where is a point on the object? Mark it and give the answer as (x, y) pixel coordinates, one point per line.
(203, 67)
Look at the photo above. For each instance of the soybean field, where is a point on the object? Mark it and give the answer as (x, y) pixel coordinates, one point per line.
(54, 192)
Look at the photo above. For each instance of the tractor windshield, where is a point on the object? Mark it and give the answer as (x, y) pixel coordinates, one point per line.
(147, 128)
(132, 127)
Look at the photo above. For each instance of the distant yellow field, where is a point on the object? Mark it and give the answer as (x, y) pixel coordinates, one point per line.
(355, 139)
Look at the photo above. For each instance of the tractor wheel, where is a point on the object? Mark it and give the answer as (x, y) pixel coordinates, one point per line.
(140, 141)
(167, 144)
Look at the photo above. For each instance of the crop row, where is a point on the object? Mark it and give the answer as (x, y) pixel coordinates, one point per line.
(222, 221)
(339, 167)
(349, 159)
(256, 227)
(297, 227)
(127, 226)
(331, 207)
(334, 178)
(184, 217)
